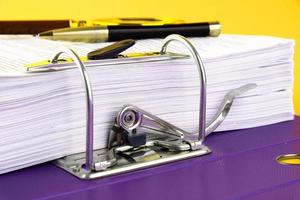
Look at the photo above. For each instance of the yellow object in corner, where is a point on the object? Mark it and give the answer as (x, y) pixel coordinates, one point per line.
(289, 159)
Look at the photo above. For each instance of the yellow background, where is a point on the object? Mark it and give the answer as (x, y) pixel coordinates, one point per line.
(265, 17)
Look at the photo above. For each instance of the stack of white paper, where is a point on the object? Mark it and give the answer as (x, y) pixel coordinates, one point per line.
(42, 116)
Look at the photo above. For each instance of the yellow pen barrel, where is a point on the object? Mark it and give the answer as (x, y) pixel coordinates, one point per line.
(125, 21)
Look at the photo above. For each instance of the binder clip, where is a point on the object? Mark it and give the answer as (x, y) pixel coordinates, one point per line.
(139, 139)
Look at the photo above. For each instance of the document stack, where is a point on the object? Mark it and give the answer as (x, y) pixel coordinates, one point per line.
(42, 115)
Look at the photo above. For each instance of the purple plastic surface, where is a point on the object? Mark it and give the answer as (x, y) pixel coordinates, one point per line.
(242, 166)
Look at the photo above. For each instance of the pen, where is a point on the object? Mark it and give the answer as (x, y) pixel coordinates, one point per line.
(115, 33)
(38, 26)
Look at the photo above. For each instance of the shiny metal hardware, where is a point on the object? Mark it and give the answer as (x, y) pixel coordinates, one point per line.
(202, 75)
(226, 105)
(139, 139)
(133, 123)
(89, 103)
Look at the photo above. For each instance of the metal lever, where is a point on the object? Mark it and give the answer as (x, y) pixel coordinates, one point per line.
(135, 123)
(225, 107)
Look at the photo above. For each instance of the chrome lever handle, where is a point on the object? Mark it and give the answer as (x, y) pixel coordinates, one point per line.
(133, 118)
(225, 107)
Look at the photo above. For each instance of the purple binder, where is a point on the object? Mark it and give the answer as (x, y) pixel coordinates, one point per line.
(242, 166)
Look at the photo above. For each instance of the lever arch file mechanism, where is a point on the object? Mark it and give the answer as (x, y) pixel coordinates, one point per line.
(139, 139)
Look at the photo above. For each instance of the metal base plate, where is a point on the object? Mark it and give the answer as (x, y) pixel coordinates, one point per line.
(74, 163)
